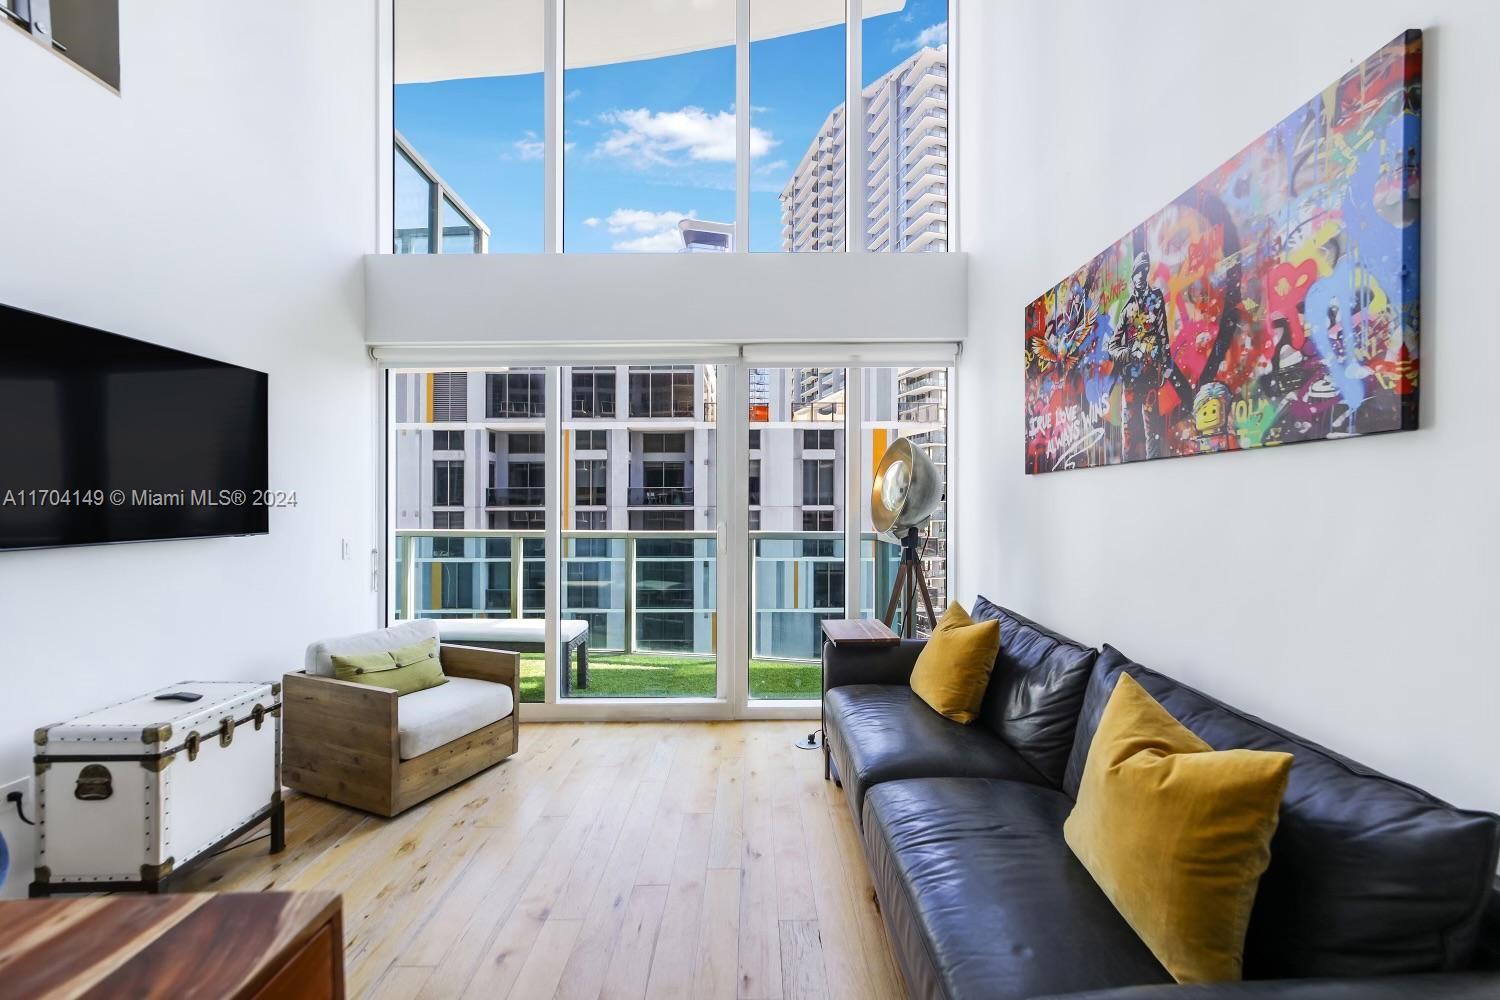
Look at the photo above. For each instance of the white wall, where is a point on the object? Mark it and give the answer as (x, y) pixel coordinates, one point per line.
(220, 204)
(1344, 589)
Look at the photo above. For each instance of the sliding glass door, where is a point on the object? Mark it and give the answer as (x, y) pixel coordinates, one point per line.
(652, 533)
(797, 497)
(639, 529)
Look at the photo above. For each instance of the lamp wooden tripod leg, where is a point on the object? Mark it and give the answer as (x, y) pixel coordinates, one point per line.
(910, 579)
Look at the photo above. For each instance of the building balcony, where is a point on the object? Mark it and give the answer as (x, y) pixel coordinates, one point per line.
(933, 199)
(933, 110)
(514, 411)
(922, 142)
(907, 387)
(515, 496)
(660, 496)
(928, 222)
(929, 240)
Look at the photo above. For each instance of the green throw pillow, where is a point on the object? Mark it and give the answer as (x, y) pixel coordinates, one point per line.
(408, 669)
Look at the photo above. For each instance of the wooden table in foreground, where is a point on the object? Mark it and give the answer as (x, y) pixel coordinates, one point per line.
(239, 945)
(859, 632)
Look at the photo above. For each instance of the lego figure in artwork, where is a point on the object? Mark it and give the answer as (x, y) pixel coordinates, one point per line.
(1211, 418)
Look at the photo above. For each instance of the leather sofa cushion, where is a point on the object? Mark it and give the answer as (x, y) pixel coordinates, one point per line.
(1431, 986)
(1368, 876)
(884, 732)
(983, 898)
(1036, 689)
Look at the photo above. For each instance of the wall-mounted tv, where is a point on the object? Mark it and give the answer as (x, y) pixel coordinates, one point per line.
(108, 439)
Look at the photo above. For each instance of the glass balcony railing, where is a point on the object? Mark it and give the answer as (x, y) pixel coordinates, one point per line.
(515, 496)
(661, 496)
(653, 592)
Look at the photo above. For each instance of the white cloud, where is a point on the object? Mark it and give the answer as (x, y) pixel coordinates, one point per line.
(592, 222)
(648, 232)
(772, 167)
(662, 242)
(529, 146)
(665, 138)
(573, 94)
(932, 35)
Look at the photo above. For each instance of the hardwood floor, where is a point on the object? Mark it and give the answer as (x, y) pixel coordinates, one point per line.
(620, 860)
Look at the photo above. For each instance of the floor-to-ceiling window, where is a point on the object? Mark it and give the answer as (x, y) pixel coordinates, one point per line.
(641, 544)
(904, 59)
(797, 420)
(649, 144)
(656, 148)
(913, 403)
(469, 118)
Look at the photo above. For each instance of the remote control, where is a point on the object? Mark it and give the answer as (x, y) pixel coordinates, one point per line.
(179, 696)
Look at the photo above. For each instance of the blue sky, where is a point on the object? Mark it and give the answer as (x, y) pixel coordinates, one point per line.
(648, 142)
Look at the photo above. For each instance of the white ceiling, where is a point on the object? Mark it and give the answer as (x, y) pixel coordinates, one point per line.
(458, 39)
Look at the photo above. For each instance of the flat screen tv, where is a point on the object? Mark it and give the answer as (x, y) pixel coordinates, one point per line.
(108, 439)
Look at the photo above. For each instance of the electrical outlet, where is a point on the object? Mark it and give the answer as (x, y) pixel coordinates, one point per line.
(20, 838)
(344, 549)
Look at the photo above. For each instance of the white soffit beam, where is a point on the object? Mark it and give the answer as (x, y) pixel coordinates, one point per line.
(579, 301)
(464, 39)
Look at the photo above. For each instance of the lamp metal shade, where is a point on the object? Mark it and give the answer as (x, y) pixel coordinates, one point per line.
(907, 488)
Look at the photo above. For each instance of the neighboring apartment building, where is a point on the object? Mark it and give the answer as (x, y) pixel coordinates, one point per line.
(906, 133)
(644, 463)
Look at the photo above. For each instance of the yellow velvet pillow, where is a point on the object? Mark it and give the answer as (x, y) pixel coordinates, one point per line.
(1176, 833)
(954, 667)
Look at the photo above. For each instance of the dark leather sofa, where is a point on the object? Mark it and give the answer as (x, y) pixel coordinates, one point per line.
(1375, 888)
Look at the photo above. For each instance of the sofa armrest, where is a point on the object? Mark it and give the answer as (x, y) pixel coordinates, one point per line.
(1488, 954)
(357, 716)
(340, 741)
(843, 665)
(498, 666)
(1432, 986)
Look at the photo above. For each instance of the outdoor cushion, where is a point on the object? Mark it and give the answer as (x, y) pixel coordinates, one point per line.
(527, 630)
(428, 719)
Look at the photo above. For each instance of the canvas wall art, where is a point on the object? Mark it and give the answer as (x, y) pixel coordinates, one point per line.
(1275, 302)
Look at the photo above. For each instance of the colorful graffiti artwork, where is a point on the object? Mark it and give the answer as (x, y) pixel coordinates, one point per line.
(1276, 301)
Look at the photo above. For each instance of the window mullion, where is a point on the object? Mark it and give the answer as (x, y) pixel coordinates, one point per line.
(854, 449)
(552, 532)
(552, 128)
(742, 127)
(856, 149)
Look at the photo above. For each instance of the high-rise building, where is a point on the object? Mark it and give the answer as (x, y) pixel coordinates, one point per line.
(905, 130)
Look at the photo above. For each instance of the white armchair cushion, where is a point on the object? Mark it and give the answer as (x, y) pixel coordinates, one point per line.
(320, 654)
(428, 719)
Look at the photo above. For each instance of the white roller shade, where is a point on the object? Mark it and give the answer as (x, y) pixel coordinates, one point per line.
(856, 354)
(428, 356)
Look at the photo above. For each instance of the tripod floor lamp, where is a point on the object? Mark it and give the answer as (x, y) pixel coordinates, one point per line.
(907, 489)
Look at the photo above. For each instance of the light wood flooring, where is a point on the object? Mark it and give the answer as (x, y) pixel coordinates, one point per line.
(620, 860)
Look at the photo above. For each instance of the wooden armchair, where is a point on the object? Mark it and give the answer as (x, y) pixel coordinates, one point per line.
(365, 747)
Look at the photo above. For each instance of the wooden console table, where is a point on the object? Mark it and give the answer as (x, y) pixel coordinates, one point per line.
(234, 945)
(859, 632)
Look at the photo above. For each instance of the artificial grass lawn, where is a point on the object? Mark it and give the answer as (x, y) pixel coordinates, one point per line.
(617, 675)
